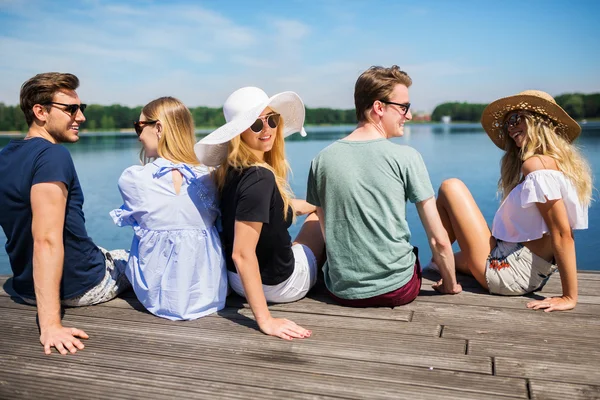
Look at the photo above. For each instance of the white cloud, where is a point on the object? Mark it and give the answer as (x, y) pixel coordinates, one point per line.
(288, 29)
(132, 54)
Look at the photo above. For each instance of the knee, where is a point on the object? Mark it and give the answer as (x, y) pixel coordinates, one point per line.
(452, 185)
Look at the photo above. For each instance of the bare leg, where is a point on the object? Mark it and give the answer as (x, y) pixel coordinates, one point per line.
(461, 264)
(310, 235)
(465, 223)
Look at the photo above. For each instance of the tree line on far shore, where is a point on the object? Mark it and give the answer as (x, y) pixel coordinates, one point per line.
(115, 117)
(579, 106)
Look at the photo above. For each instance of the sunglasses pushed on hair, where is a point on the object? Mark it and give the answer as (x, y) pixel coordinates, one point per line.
(139, 125)
(69, 108)
(271, 119)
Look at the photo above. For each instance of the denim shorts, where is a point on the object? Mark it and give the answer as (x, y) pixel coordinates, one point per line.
(293, 288)
(513, 270)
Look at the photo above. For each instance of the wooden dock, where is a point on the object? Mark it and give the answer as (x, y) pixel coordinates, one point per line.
(468, 346)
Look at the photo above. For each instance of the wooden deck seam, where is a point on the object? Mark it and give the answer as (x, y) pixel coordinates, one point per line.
(528, 387)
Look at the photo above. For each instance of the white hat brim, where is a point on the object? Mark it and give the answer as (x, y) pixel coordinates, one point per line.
(212, 149)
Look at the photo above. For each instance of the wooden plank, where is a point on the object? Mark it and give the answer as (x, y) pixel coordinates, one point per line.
(320, 303)
(586, 304)
(466, 315)
(244, 316)
(187, 333)
(548, 390)
(517, 334)
(132, 354)
(548, 370)
(588, 283)
(101, 382)
(589, 275)
(247, 326)
(548, 350)
(586, 287)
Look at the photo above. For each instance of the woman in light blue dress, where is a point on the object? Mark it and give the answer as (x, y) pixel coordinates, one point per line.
(176, 265)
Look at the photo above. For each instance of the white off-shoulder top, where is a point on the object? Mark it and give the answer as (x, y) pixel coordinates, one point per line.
(519, 220)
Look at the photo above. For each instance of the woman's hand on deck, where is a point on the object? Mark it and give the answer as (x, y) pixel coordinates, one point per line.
(283, 328)
(64, 339)
(553, 304)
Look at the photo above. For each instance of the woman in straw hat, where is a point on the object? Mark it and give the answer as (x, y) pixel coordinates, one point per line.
(176, 264)
(546, 188)
(257, 205)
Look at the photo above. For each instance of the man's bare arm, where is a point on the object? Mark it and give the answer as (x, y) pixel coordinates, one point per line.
(48, 203)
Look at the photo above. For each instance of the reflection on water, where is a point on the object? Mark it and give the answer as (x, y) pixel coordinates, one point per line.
(456, 150)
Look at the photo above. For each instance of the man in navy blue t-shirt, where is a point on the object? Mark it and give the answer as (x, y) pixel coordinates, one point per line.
(53, 259)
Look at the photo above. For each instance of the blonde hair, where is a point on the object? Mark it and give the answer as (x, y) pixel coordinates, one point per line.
(239, 157)
(542, 139)
(177, 140)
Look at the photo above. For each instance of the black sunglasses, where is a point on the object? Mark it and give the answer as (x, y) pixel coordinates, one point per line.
(512, 120)
(69, 108)
(139, 125)
(272, 121)
(403, 107)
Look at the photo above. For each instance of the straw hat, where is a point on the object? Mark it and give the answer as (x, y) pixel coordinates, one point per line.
(241, 109)
(535, 101)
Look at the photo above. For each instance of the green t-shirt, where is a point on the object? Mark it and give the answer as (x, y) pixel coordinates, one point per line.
(362, 188)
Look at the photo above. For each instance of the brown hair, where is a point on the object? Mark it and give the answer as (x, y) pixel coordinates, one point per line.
(376, 83)
(177, 141)
(41, 89)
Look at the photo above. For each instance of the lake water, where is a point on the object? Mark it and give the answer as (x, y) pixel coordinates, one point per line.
(463, 151)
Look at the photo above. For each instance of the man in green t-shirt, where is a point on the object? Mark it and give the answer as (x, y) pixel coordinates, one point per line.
(360, 185)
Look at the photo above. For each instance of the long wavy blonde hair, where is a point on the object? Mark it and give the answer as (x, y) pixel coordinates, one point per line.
(240, 156)
(177, 140)
(542, 139)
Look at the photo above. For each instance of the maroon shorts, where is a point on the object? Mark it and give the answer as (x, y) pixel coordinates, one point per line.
(398, 297)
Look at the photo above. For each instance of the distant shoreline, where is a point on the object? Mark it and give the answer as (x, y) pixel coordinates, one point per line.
(207, 130)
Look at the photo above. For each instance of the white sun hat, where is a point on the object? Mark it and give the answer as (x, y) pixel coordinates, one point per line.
(241, 109)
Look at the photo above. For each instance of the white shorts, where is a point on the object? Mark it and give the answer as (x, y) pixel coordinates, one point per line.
(293, 288)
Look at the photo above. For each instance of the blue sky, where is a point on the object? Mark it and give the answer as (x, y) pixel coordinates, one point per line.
(130, 52)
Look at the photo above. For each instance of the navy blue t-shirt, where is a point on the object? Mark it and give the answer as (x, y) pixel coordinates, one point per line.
(24, 163)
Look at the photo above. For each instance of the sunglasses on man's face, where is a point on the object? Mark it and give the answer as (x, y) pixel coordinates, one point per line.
(69, 108)
(271, 119)
(139, 125)
(404, 107)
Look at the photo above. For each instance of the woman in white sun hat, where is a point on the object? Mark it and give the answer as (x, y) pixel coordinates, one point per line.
(546, 187)
(257, 205)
